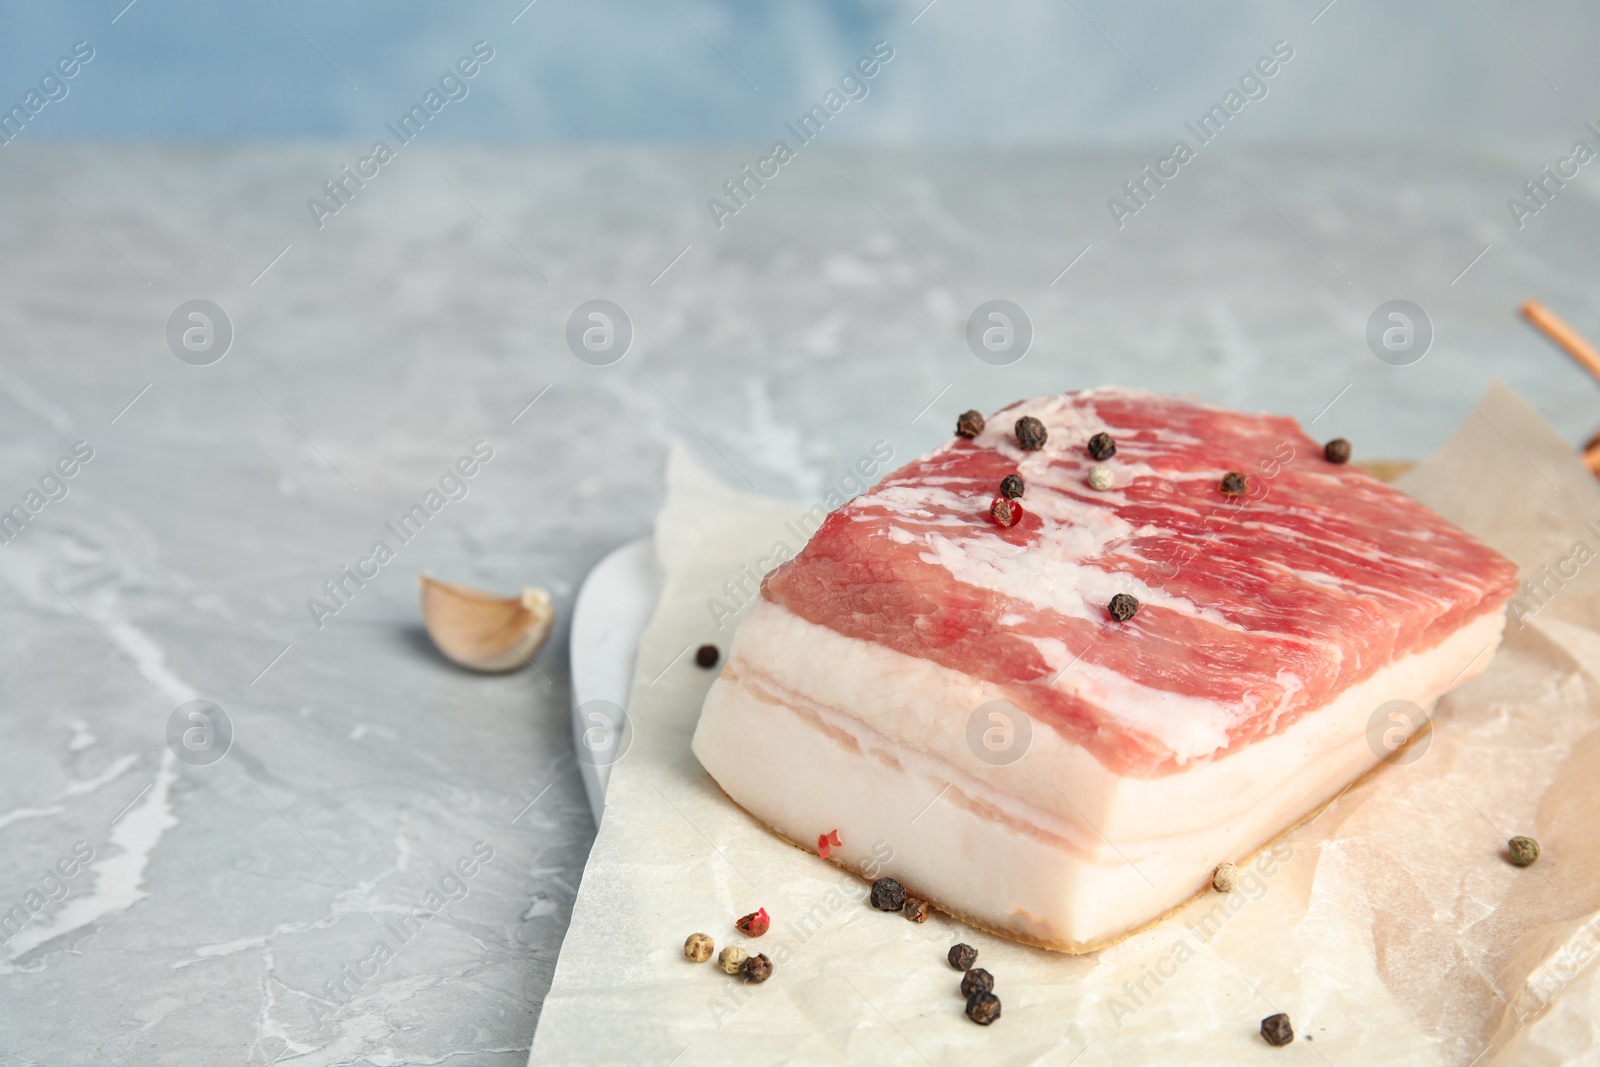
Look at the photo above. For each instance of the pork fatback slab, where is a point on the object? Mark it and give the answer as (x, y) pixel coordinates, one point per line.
(922, 678)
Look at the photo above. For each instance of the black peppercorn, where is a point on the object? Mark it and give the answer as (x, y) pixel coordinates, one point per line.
(962, 956)
(1276, 1031)
(977, 980)
(1102, 447)
(888, 895)
(983, 1008)
(756, 969)
(1122, 607)
(1031, 434)
(1011, 487)
(1233, 484)
(706, 656)
(1337, 450)
(969, 424)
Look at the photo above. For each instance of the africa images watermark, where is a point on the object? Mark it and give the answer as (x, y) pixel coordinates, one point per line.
(1577, 953)
(342, 188)
(742, 188)
(52, 888)
(1252, 86)
(1252, 887)
(52, 88)
(454, 885)
(1535, 594)
(1256, 491)
(1543, 187)
(745, 586)
(453, 485)
(53, 486)
(783, 949)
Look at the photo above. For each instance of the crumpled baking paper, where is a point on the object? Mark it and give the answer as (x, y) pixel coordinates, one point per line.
(1391, 927)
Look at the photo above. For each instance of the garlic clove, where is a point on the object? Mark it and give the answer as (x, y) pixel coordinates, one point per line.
(482, 631)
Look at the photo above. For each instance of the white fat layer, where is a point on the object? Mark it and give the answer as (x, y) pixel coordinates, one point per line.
(989, 860)
(920, 706)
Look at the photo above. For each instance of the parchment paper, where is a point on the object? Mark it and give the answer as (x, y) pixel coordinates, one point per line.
(1390, 928)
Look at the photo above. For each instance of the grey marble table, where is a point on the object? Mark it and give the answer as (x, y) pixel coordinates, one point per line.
(230, 912)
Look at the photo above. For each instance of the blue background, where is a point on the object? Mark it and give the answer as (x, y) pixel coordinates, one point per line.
(670, 70)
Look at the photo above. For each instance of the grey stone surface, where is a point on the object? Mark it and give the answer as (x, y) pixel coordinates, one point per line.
(424, 317)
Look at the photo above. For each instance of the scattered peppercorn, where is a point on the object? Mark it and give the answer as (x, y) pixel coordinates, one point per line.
(1226, 878)
(1006, 513)
(969, 424)
(888, 895)
(1011, 487)
(1031, 434)
(1524, 851)
(1233, 484)
(756, 969)
(1337, 450)
(1101, 446)
(755, 924)
(1122, 607)
(732, 959)
(983, 1008)
(977, 980)
(706, 656)
(1100, 477)
(962, 956)
(1276, 1031)
(916, 909)
(827, 842)
(698, 947)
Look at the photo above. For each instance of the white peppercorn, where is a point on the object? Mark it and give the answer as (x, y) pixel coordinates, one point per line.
(698, 947)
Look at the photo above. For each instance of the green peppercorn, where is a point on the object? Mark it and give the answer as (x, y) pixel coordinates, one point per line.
(732, 959)
(1524, 851)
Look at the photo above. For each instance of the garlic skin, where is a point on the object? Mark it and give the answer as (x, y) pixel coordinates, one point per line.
(482, 631)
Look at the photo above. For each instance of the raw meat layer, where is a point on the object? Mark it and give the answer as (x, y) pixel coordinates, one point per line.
(1254, 609)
